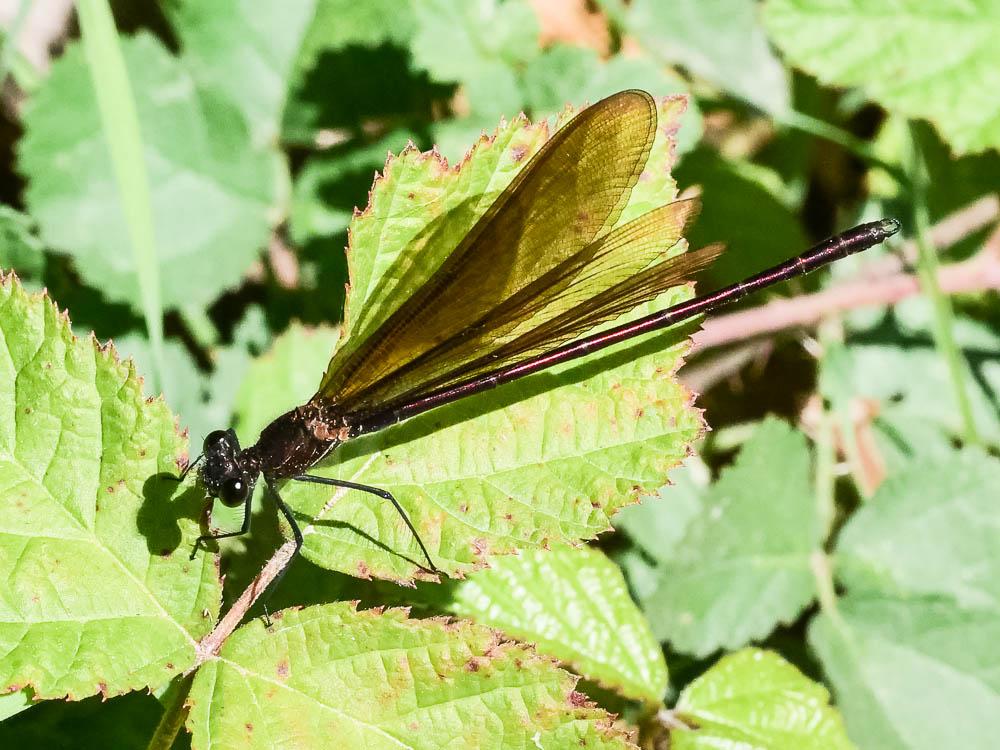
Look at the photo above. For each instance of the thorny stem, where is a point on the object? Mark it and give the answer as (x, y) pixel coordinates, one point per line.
(943, 316)
(211, 644)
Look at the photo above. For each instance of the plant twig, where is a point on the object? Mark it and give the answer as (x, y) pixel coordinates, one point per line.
(211, 644)
(979, 273)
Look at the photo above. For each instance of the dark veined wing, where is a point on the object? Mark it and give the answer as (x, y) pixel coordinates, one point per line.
(569, 195)
(613, 275)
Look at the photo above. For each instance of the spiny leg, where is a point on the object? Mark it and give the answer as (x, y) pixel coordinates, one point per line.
(379, 492)
(243, 529)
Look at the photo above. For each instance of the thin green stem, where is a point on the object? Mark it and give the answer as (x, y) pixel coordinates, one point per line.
(826, 479)
(927, 269)
(174, 715)
(822, 570)
(120, 122)
(857, 146)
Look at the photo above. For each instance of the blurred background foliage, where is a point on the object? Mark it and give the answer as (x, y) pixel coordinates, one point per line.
(262, 124)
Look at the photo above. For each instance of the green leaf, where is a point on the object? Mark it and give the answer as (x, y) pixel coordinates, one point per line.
(658, 524)
(929, 531)
(373, 679)
(20, 248)
(897, 364)
(547, 459)
(755, 700)
(928, 59)
(912, 674)
(734, 195)
(574, 605)
(283, 378)
(246, 50)
(562, 74)
(98, 592)
(720, 40)
(477, 38)
(484, 46)
(329, 185)
(339, 23)
(743, 564)
(212, 191)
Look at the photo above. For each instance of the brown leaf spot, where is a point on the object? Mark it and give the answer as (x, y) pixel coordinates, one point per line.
(464, 508)
(169, 665)
(474, 664)
(249, 727)
(578, 699)
(364, 571)
(27, 410)
(283, 670)
(479, 547)
(517, 153)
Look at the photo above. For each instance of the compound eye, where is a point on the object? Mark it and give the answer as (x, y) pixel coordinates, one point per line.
(234, 492)
(214, 439)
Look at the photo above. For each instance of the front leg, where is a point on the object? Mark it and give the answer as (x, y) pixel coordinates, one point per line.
(215, 537)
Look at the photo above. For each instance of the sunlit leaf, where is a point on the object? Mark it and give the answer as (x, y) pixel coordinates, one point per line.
(212, 191)
(247, 50)
(928, 59)
(329, 676)
(913, 673)
(743, 563)
(573, 604)
(755, 700)
(98, 592)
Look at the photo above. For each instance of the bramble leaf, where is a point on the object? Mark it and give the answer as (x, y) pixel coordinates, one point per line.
(720, 40)
(98, 592)
(894, 50)
(912, 673)
(929, 531)
(755, 700)
(331, 676)
(213, 192)
(574, 605)
(742, 565)
(245, 49)
(911, 649)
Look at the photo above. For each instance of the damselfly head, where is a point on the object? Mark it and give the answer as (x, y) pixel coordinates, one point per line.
(222, 472)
